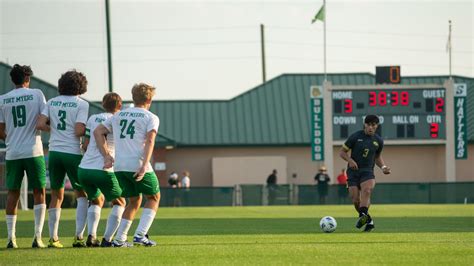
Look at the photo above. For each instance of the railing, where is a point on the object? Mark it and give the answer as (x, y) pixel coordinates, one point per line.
(260, 195)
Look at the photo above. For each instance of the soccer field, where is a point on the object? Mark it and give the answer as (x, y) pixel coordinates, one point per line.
(404, 234)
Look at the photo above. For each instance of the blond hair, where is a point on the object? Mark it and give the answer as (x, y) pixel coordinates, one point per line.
(142, 93)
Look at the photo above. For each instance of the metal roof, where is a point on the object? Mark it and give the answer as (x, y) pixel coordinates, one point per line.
(274, 113)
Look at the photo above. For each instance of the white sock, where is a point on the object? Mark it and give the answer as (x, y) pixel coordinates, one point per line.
(11, 226)
(93, 217)
(123, 230)
(81, 216)
(148, 215)
(53, 222)
(113, 222)
(40, 213)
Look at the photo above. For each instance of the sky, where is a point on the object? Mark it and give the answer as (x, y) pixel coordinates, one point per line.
(211, 50)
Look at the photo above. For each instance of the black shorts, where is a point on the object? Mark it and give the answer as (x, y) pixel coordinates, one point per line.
(356, 177)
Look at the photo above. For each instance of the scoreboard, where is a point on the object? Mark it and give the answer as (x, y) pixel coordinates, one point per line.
(406, 112)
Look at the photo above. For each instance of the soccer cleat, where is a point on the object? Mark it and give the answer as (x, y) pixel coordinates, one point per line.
(105, 244)
(362, 220)
(369, 226)
(143, 241)
(79, 243)
(54, 244)
(12, 243)
(120, 244)
(38, 243)
(92, 241)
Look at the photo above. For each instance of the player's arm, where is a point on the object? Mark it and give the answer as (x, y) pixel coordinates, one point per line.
(80, 129)
(100, 134)
(149, 145)
(42, 123)
(3, 134)
(379, 160)
(85, 144)
(343, 153)
(81, 119)
(380, 163)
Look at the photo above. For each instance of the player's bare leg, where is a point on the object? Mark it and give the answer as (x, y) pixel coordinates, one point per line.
(354, 194)
(365, 194)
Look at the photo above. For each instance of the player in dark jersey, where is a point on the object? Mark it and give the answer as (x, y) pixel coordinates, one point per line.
(366, 151)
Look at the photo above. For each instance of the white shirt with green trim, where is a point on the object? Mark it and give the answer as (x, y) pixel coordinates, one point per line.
(93, 159)
(130, 128)
(64, 112)
(19, 110)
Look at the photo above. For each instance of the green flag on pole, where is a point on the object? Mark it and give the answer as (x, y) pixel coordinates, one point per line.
(320, 15)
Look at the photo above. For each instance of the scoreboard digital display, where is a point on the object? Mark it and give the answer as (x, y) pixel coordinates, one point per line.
(417, 114)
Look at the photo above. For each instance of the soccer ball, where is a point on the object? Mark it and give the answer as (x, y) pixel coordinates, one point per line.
(328, 224)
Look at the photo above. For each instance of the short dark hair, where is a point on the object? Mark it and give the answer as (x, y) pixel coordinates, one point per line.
(369, 119)
(111, 101)
(72, 83)
(20, 74)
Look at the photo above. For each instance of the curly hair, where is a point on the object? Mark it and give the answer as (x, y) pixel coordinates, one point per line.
(141, 93)
(111, 102)
(20, 74)
(72, 83)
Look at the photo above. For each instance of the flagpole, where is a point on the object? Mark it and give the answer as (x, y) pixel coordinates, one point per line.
(325, 18)
(449, 46)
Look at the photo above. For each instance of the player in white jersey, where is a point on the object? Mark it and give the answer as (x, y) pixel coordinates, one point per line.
(99, 182)
(134, 131)
(19, 110)
(67, 116)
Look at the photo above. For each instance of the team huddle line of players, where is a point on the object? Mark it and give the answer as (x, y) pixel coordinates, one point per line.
(97, 173)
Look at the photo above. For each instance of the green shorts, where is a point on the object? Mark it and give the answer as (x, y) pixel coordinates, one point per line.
(61, 163)
(35, 171)
(131, 188)
(95, 182)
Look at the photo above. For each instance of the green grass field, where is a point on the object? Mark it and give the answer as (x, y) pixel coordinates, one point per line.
(405, 234)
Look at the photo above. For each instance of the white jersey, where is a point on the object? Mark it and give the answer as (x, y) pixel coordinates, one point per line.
(130, 127)
(19, 110)
(185, 182)
(93, 159)
(64, 112)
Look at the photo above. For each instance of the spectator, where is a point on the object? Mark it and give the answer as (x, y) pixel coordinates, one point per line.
(185, 180)
(173, 182)
(272, 187)
(322, 179)
(186, 184)
(342, 188)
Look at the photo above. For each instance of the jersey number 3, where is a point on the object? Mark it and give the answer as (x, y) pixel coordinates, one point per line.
(365, 153)
(62, 120)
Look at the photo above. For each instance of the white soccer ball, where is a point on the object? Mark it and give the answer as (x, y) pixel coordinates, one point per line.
(328, 224)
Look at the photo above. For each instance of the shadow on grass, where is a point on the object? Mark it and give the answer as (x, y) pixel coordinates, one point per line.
(241, 226)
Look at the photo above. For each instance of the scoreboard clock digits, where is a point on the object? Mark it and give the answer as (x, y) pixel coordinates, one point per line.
(404, 113)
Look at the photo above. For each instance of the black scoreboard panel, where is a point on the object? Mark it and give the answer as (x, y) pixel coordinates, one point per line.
(404, 113)
(387, 75)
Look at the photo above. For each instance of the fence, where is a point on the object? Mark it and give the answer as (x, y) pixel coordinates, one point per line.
(260, 195)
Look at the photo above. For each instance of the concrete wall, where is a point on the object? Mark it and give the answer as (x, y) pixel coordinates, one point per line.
(408, 163)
